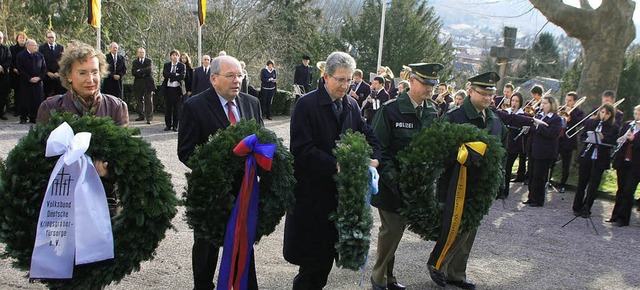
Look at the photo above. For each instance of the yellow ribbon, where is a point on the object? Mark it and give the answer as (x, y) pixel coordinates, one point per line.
(461, 190)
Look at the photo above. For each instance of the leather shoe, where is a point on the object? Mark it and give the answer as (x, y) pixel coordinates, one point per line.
(437, 276)
(375, 286)
(585, 214)
(395, 286)
(528, 201)
(174, 129)
(526, 182)
(462, 284)
(3, 118)
(561, 190)
(518, 179)
(23, 121)
(167, 128)
(611, 220)
(148, 122)
(535, 204)
(140, 119)
(620, 224)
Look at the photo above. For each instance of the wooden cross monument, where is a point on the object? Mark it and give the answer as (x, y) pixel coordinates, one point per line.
(505, 53)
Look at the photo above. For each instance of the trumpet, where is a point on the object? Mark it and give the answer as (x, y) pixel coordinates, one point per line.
(623, 138)
(562, 112)
(570, 135)
(532, 107)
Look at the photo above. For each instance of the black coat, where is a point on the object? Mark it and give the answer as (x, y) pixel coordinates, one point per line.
(544, 139)
(201, 81)
(31, 65)
(566, 143)
(110, 85)
(177, 76)
(188, 78)
(619, 159)
(202, 115)
(369, 112)
(51, 57)
(143, 78)
(609, 136)
(5, 62)
(362, 91)
(302, 76)
(308, 233)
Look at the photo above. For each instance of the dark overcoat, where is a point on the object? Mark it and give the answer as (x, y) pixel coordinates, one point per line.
(309, 234)
(111, 86)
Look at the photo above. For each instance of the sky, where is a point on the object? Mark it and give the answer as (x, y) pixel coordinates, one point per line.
(596, 3)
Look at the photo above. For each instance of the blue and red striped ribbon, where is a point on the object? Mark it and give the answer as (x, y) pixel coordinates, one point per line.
(241, 229)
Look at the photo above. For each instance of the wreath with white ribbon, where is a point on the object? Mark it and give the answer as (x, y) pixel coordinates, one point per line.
(425, 160)
(146, 195)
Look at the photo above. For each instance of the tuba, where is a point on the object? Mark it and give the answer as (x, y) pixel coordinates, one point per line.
(388, 74)
(405, 73)
(320, 65)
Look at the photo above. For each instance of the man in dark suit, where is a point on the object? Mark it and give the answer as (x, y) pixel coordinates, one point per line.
(316, 123)
(359, 90)
(303, 74)
(375, 100)
(202, 115)
(475, 111)
(5, 64)
(143, 86)
(174, 72)
(32, 69)
(201, 76)
(52, 53)
(117, 69)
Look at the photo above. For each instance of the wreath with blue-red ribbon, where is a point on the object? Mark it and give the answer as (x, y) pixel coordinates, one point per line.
(216, 171)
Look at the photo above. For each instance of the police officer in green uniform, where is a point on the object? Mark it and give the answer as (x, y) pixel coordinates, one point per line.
(395, 124)
(474, 110)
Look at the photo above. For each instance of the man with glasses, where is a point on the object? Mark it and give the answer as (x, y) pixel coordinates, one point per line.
(52, 53)
(203, 114)
(395, 125)
(5, 63)
(475, 111)
(317, 121)
(117, 69)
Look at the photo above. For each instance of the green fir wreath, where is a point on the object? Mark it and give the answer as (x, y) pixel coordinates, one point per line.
(144, 188)
(353, 215)
(423, 163)
(215, 170)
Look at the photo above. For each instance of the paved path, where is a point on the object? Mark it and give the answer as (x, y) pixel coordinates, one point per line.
(517, 247)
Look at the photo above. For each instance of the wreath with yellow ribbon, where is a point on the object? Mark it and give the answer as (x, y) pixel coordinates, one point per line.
(426, 167)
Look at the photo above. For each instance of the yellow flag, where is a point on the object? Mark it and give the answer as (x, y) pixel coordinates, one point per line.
(202, 11)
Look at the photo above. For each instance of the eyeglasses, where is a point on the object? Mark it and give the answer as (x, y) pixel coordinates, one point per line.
(84, 74)
(232, 77)
(51, 37)
(483, 94)
(343, 80)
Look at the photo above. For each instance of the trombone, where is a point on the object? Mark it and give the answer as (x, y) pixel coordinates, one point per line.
(532, 108)
(505, 105)
(562, 112)
(570, 135)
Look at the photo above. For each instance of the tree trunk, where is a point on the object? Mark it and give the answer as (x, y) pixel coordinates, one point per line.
(605, 34)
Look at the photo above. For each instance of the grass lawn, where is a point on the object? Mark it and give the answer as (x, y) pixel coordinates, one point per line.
(609, 180)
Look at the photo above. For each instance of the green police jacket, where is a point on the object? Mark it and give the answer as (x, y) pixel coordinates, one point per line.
(395, 124)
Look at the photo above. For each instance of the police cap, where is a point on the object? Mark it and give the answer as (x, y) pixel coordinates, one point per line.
(426, 73)
(486, 80)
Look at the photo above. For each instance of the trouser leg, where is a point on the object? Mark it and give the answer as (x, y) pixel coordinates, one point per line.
(391, 231)
(454, 264)
(313, 276)
(204, 257)
(584, 172)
